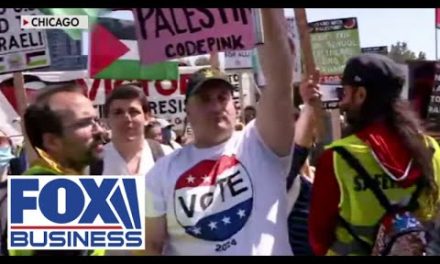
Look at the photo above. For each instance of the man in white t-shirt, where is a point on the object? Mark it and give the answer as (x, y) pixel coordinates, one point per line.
(129, 153)
(225, 194)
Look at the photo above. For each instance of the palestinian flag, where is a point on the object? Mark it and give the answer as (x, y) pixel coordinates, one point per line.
(92, 13)
(38, 58)
(114, 54)
(2, 65)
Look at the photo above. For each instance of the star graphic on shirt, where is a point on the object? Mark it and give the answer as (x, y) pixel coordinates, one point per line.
(213, 225)
(206, 179)
(226, 220)
(190, 179)
(196, 230)
(241, 213)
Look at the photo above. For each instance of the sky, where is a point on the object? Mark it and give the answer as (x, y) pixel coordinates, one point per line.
(377, 26)
(386, 26)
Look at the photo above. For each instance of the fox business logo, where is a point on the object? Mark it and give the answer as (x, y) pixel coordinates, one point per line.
(54, 22)
(76, 212)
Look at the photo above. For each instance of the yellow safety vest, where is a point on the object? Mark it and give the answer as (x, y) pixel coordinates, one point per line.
(42, 170)
(358, 204)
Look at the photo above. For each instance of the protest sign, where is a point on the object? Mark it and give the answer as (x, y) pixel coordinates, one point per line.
(295, 45)
(333, 43)
(378, 50)
(433, 124)
(235, 80)
(305, 32)
(168, 33)
(330, 95)
(434, 104)
(238, 60)
(166, 98)
(21, 49)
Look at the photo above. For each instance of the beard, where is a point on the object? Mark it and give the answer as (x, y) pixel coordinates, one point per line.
(352, 122)
(90, 154)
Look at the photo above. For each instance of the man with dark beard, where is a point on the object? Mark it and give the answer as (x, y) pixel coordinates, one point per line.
(66, 133)
(384, 135)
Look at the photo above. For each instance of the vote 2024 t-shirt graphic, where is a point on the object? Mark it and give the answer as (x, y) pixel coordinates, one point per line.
(229, 199)
(213, 200)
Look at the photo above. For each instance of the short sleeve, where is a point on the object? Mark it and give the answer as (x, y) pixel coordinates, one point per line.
(155, 201)
(252, 135)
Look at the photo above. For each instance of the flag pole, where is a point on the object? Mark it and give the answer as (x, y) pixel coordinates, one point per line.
(436, 32)
(21, 99)
(436, 43)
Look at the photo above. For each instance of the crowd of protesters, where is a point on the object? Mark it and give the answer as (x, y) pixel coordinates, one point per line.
(247, 187)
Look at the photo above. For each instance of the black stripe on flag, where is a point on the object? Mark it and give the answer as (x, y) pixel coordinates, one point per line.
(122, 29)
(36, 53)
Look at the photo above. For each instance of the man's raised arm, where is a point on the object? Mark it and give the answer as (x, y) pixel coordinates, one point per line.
(275, 109)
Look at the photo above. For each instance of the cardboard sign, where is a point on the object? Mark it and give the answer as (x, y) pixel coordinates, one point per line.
(168, 33)
(21, 49)
(333, 43)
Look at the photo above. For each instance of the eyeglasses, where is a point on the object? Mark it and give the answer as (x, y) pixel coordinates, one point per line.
(86, 122)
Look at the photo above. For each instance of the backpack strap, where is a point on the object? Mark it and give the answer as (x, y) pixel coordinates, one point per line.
(3, 219)
(156, 149)
(364, 244)
(372, 184)
(369, 182)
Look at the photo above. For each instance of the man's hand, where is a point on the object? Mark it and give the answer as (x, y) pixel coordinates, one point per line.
(309, 90)
(309, 126)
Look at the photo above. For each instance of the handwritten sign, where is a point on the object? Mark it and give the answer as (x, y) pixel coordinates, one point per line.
(333, 43)
(168, 33)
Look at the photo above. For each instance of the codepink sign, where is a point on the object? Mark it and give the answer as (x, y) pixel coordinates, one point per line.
(168, 33)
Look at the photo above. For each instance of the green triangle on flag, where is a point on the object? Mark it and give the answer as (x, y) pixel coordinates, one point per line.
(114, 54)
